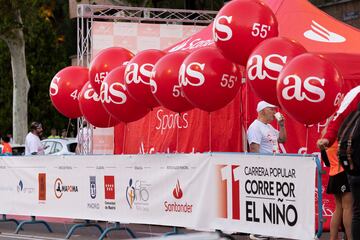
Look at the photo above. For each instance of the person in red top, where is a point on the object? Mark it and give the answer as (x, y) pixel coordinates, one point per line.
(7, 150)
(338, 181)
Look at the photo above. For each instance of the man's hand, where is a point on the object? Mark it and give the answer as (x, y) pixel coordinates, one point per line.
(322, 143)
(254, 147)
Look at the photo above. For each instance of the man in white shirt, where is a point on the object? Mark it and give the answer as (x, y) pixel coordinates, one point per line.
(33, 144)
(262, 137)
(84, 139)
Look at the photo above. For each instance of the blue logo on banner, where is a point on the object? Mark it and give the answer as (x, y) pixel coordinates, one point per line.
(93, 187)
(20, 186)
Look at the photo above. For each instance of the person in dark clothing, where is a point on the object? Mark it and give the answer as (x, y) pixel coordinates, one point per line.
(349, 104)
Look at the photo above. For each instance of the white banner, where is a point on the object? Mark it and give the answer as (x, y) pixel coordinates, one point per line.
(270, 195)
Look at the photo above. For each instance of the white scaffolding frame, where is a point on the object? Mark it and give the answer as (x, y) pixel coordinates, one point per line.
(87, 14)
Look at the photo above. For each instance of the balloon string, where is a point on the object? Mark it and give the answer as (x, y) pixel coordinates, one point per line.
(124, 138)
(210, 147)
(246, 114)
(307, 138)
(148, 138)
(68, 126)
(109, 121)
(241, 122)
(177, 135)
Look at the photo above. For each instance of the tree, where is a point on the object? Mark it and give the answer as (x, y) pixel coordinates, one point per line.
(11, 31)
(42, 30)
(36, 39)
(186, 4)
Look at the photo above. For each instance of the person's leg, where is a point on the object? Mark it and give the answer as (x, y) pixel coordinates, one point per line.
(354, 182)
(336, 218)
(346, 203)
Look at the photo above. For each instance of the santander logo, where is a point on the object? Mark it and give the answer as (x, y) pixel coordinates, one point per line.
(178, 206)
(177, 192)
(321, 34)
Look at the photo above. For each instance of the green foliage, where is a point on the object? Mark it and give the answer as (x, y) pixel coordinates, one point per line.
(181, 4)
(5, 90)
(8, 18)
(50, 38)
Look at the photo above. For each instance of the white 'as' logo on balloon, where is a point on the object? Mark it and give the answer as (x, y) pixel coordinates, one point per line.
(54, 88)
(256, 63)
(153, 85)
(298, 93)
(91, 94)
(133, 73)
(112, 93)
(222, 28)
(187, 71)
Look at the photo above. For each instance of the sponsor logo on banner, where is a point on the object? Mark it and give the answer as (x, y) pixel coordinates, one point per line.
(109, 189)
(23, 189)
(92, 191)
(178, 204)
(137, 195)
(61, 188)
(272, 192)
(42, 186)
(319, 33)
(93, 187)
(177, 167)
(229, 191)
(177, 192)
(6, 189)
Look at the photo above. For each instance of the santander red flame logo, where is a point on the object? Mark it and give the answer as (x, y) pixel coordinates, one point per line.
(177, 192)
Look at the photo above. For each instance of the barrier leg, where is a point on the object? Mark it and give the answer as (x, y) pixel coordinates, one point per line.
(5, 219)
(81, 225)
(320, 216)
(32, 221)
(116, 227)
(224, 235)
(174, 232)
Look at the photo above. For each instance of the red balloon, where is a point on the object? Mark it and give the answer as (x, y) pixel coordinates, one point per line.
(209, 80)
(65, 88)
(116, 99)
(240, 26)
(309, 88)
(138, 74)
(265, 63)
(93, 110)
(105, 61)
(166, 77)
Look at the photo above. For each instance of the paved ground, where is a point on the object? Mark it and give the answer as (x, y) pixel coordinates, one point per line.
(61, 227)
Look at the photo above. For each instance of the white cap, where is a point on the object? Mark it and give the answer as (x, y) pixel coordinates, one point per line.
(262, 104)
